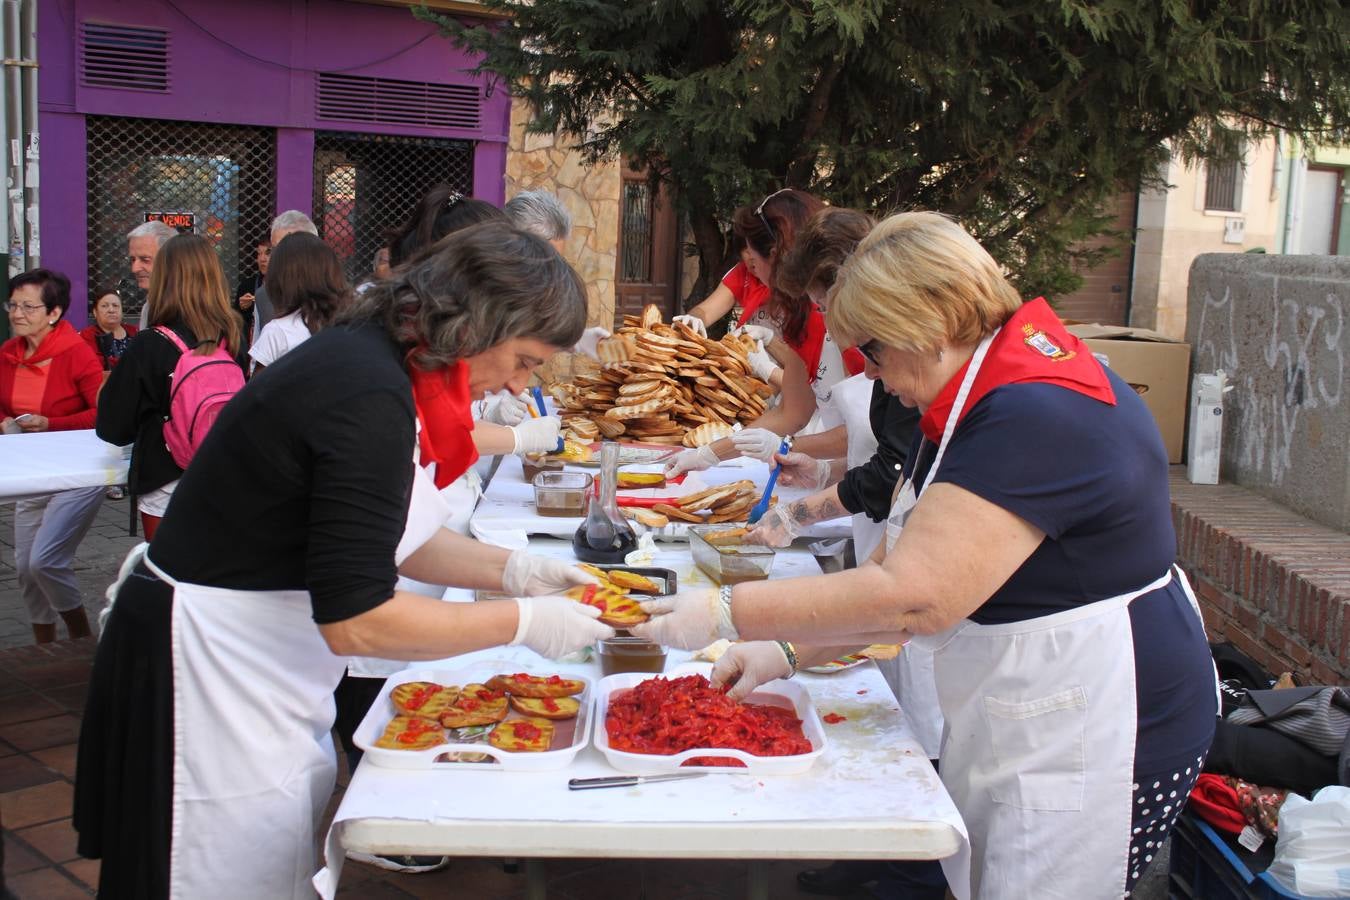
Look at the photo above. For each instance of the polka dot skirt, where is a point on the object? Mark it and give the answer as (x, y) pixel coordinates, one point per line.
(1158, 799)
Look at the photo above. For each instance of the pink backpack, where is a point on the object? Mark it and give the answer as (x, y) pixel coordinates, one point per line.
(198, 390)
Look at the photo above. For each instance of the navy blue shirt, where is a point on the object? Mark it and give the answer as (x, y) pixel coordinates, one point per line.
(1093, 477)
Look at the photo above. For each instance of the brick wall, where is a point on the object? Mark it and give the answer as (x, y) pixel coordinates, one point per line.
(1274, 583)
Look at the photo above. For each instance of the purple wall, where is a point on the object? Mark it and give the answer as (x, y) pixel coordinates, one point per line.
(249, 62)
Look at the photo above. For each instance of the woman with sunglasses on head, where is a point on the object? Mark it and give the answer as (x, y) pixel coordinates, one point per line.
(205, 761)
(1031, 547)
(49, 381)
(795, 352)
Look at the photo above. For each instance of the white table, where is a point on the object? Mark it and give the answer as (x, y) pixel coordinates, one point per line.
(872, 795)
(506, 512)
(32, 465)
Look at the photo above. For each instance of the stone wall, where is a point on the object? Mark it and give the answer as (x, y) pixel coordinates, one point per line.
(547, 162)
(1277, 326)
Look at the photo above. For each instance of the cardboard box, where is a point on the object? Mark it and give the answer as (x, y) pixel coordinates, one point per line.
(1156, 366)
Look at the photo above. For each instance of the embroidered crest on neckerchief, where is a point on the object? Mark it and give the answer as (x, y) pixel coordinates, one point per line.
(1040, 342)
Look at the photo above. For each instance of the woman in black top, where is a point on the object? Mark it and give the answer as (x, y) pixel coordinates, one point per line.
(210, 704)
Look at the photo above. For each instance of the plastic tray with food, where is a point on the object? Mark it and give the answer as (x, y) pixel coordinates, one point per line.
(777, 705)
(486, 717)
(718, 550)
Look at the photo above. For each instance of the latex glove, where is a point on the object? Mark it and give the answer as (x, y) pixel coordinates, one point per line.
(749, 665)
(537, 435)
(695, 460)
(507, 410)
(688, 620)
(693, 322)
(777, 528)
(556, 626)
(800, 470)
(527, 575)
(761, 443)
(760, 334)
(762, 364)
(589, 339)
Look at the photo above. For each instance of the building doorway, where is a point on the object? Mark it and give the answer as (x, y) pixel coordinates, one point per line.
(647, 249)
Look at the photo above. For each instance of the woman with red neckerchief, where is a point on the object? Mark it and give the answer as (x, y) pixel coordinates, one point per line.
(205, 761)
(795, 351)
(1030, 546)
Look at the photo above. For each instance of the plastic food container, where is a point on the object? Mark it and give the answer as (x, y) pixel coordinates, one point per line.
(729, 563)
(558, 493)
(570, 735)
(532, 467)
(776, 692)
(630, 654)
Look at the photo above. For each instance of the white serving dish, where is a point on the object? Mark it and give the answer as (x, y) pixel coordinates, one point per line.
(653, 764)
(382, 710)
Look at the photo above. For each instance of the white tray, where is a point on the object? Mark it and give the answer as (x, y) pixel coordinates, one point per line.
(655, 764)
(382, 710)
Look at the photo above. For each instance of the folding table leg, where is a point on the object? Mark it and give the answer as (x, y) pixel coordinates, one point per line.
(536, 884)
(757, 879)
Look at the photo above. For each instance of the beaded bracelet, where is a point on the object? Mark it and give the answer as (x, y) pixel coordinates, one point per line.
(791, 653)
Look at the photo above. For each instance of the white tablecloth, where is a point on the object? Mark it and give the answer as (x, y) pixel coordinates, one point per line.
(872, 795)
(506, 512)
(32, 465)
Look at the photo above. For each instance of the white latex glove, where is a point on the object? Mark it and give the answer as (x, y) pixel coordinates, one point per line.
(762, 364)
(506, 410)
(688, 620)
(589, 339)
(527, 575)
(556, 626)
(760, 334)
(693, 322)
(761, 443)
(777, 528)
(695, 460)
(537, 435)
(749, 665)
(800, 470)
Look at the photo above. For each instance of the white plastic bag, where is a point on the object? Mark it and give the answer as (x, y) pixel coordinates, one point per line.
(1312, 856)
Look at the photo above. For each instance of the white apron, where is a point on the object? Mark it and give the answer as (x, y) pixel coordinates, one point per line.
(1038, 741)
(852, 398)
(253, 765)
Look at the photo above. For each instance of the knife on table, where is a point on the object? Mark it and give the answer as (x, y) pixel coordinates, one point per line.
(590, 784)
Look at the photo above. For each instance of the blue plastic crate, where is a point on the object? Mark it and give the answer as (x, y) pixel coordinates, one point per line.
(1204, 866)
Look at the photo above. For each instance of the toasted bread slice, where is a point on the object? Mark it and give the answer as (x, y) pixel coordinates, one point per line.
(477, 705)
(410, 733)
(650, 518)
(522, 685)
(651, 315)
(547, 707)
(525, 735)
(422, 698)
(674, 512)
(726, 537)
(631, 480)
(617, 609)
(632, 581)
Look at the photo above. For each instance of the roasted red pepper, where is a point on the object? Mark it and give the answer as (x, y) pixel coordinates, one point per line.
(525, 731)
(834, 718)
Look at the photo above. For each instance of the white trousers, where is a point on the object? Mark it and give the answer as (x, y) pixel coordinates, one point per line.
(47, 531)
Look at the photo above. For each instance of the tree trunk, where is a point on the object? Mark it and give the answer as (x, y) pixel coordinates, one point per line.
(713, 255)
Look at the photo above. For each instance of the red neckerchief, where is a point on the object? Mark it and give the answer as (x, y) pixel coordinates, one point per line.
(441, 398)
(1033, 346)
(63, 336)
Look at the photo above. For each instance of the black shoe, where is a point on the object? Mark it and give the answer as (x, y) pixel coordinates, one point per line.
(840, 879)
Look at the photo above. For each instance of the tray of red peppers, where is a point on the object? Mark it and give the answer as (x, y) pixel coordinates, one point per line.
(648, 725)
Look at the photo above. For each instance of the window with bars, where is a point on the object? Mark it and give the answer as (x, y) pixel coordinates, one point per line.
(636, 227)
(367, 185)
(216, 180)
(1223, 185)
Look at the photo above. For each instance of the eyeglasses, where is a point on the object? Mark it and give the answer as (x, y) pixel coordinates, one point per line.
(25, 308)
(872, 350)
(759, 211)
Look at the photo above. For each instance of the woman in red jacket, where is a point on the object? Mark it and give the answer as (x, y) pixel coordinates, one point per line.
(49, 381)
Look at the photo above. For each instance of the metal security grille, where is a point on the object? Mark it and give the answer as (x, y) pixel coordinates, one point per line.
(1221, 185)
(365, 185)
(216, 180)
(636, 225)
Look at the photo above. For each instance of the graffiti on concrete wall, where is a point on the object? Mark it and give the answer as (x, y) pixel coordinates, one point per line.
(1296, 366)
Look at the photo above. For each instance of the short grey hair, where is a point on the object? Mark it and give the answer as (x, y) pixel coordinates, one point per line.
(156, 229)
(539, 213)
(294, 220)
